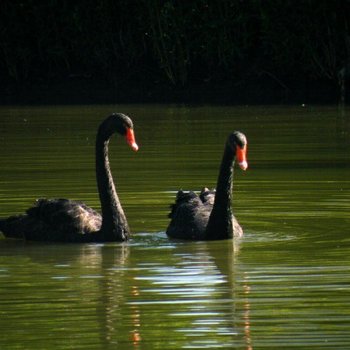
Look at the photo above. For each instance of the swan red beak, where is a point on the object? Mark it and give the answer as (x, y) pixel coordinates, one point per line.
(130, 139)
(241, 155)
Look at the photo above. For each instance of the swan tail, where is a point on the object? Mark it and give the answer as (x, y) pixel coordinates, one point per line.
(12, 226)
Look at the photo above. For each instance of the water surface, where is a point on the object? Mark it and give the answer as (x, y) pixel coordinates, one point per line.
(284, 285)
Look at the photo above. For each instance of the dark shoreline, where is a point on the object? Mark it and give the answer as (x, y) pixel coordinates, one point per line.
(82, 90)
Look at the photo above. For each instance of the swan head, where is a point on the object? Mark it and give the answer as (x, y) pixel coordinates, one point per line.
(123, 125)
(238, 143)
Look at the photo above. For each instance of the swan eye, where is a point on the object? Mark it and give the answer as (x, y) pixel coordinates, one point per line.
(241, 155)
(130, 139)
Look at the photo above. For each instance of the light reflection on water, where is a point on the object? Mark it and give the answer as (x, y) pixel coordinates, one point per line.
(285, 284)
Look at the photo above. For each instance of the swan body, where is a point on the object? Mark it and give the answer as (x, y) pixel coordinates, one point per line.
(64, 220)
(208, 216)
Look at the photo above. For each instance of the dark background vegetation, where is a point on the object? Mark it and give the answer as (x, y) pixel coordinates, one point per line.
(224, 51)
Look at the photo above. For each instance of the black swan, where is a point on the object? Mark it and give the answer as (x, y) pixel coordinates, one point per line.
(64, 220)
(209, 215)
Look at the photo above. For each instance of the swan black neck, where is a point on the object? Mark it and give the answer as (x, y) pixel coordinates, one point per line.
(220, 225)
(114, 224)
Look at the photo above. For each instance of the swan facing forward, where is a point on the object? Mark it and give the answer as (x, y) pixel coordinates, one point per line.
(208, 216)
(64, 220)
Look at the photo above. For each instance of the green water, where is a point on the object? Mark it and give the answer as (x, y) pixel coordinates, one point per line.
(284, 285)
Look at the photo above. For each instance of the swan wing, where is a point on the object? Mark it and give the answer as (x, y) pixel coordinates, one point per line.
(207, 196)
(65, 215)
(189, 216)
(59, 220)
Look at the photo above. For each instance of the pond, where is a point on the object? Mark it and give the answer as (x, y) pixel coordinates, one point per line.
(285, 284)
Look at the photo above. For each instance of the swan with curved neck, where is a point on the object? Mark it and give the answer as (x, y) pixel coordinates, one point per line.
(208, 216)
(64, 220)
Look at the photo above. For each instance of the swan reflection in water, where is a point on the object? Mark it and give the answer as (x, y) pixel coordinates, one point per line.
(119, 292)
(198, 291)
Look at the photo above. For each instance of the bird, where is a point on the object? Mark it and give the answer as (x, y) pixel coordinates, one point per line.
(208, 216)
(65, 220)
